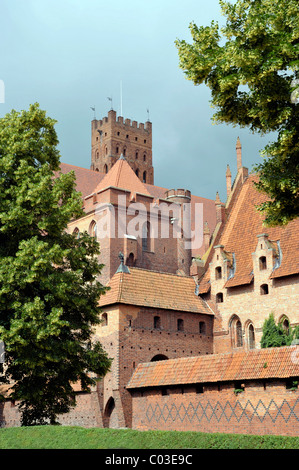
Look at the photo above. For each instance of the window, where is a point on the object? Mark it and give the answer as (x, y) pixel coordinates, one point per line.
(106, 150)
(93, 229)
(104, 319)
(117, 149)
(263, 263)
(105, 168)
(202, 328)
(144, 157)
(219, 298)
(130, 260)
(136, 155)
(76, 233)
(285, 324)
(199, 388)
(144, 177)
(137, 172)
(235, 327)
(251, 337)
(218, 272)
(146, 237)
(264, 289)
(157, 323)
(180, 325)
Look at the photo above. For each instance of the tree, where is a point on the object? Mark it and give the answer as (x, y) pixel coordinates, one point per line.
(48, 278)
(274, 335)
(252, 71)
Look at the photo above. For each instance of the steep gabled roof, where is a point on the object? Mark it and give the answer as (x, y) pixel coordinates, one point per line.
(86, 180)
(146, 288)
(242, 365)
(239, 236)
(122, 176)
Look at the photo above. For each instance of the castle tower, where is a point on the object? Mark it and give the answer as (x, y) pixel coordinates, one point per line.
(111, 137)
(239, 154)
(182, 197)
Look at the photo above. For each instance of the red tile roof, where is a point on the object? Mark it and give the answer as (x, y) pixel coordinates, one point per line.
(122, 176)
(86, 180)
(239, 236)
(154, 289)
(242, 365)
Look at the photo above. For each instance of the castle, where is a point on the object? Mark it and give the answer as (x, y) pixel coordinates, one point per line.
(191, 282)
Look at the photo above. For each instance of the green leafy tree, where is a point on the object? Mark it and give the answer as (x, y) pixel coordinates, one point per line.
(251, 66)
(48, 278)
(274, 335)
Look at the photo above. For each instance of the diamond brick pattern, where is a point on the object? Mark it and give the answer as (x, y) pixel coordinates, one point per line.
(228, 412)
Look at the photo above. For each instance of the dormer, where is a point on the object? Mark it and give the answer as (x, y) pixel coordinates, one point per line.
(222, 266)
(267, 255)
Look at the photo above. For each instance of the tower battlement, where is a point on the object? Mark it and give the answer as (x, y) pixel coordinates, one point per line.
(114, 136)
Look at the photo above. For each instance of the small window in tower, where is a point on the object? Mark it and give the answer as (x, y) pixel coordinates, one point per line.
(219, 298)
(202, 328)
(264, 289)
(145, 141)
(104, 319)
(105, 168)
(136, 138)
(218, 272)
(263, 263)
(118, 133)
(157, 322)
(127, 136)
(136, 155)
(124, 152)
(144, 177)
(117, 149)
(180, 324)
(144, 157)
(106, 151)
(137, 172)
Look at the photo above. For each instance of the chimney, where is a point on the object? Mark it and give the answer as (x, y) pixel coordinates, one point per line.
(228, 181)
(239, 154)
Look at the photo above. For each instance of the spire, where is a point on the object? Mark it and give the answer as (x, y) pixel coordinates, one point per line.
(228, 181)
(217, 200)
(122, 267)
(239, 154)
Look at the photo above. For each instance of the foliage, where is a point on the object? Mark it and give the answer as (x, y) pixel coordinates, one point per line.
(274, 335)
(65, 437)
(252, 71)
(48, 288)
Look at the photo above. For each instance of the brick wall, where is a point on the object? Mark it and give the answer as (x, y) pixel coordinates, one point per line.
(262, 408)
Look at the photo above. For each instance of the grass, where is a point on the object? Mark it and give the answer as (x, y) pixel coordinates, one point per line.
(69, 437)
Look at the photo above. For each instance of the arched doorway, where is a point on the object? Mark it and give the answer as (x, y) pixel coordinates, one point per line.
(108, 420)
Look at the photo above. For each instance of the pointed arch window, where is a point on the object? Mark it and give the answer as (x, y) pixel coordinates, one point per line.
(144, 177)
(93, 229)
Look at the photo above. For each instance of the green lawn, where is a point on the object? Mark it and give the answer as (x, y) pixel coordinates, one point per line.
(64, 437)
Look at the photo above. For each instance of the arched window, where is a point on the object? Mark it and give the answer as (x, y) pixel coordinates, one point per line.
(218, 272)
(136, 155)
(235, 327)
(76, 232)
(144, 157)
(285, 324)
(124, 152)
(146, 236)
(263, 263)
(264, 289)
(130, 260)
(251, 337)
(117, 149)
(93, 229)
(144, 177)
(137, 172)
(219, 298)
(157, 322)
(180, 324)
(105, 168)
(106, 150)
(97, 154)
(159, 357)
(104, 319)
(202, 328)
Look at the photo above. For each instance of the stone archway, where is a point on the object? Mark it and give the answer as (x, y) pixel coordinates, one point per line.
(109, 420)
